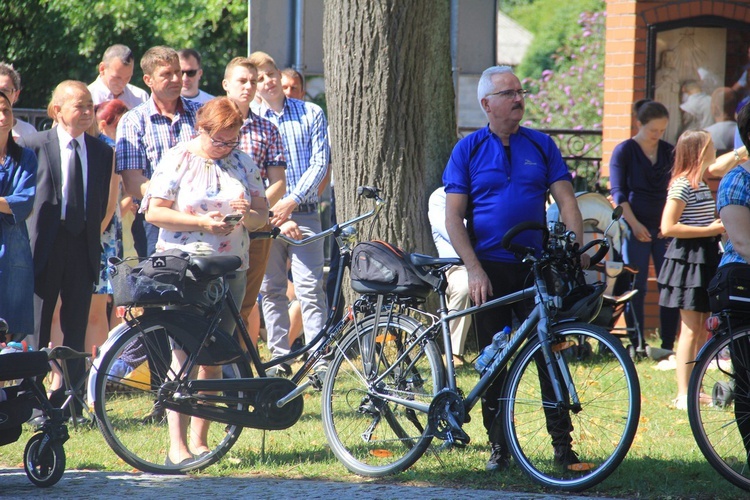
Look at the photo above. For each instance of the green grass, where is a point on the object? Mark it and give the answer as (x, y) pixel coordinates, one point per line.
(664, 460)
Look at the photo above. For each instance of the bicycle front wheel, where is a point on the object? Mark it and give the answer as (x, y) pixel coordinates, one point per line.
(132, 372)
(370, 435)
(719, 405)
(578, 445)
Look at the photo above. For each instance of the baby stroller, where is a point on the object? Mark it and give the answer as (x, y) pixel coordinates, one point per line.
(620, 277)
(44, 456)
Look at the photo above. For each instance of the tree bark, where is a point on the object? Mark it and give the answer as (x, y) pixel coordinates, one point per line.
(391, 109)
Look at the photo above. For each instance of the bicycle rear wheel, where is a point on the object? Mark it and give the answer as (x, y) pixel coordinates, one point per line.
(597, 433)
(130, 375)
(368, 434)
(719, 405)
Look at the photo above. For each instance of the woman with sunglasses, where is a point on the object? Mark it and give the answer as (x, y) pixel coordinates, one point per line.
(194, 187)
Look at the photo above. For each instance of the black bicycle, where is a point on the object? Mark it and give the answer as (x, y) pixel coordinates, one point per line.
(135, 381)
(719, 397)
(386, 395)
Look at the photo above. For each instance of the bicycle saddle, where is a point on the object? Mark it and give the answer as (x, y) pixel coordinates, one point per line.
(418, 259)
(215, 266)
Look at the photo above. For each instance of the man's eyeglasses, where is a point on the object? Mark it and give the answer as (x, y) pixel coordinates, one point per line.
(7, 92)
(190, 73)
(510, 94)
(222, 144)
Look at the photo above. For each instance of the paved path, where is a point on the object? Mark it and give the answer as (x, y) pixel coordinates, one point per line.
(122, 485)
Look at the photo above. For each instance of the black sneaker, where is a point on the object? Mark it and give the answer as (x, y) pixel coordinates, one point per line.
(565, 456)
(499, 459)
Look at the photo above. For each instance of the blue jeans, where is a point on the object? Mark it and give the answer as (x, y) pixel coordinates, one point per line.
(637, 253)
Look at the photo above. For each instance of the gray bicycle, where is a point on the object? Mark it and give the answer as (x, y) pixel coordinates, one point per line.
(387, 396)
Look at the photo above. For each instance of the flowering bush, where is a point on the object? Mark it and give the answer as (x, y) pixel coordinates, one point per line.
(571, 94)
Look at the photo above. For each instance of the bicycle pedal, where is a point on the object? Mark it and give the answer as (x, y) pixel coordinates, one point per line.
(316, 380)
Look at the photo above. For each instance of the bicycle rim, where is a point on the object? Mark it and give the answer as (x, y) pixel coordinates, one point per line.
(369, 435)
(718, 405)
(599, 433)
(127, 385)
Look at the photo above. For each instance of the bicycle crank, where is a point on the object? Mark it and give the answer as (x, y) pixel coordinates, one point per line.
(446, 416)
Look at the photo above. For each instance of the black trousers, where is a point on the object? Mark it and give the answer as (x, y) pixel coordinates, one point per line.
(66, 275)
(508, 278)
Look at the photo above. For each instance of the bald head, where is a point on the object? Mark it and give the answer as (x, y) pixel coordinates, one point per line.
(72, 107)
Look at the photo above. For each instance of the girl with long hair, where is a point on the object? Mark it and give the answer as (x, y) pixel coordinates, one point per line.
(692, 257)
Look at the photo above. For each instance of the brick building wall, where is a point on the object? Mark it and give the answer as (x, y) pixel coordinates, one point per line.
(627, 63)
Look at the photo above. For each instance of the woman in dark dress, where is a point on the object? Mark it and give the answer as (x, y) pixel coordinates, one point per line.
(640, 170)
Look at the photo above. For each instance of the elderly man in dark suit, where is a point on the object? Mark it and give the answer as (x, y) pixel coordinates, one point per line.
(66, 224)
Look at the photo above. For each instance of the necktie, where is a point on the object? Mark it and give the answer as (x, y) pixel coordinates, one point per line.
(74, 207)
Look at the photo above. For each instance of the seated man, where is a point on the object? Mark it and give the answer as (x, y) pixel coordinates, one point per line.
(457, 292)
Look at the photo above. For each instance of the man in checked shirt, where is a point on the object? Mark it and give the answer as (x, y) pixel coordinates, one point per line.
(303, 127)
(261, 140)
(150, 129)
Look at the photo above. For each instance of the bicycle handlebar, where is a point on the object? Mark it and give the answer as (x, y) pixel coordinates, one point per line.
(599, 255)
(521, 250)
(369, 192)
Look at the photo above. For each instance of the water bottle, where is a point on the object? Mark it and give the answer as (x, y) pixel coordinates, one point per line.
(499, 341)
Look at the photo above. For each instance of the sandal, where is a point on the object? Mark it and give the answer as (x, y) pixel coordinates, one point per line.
(680, 402)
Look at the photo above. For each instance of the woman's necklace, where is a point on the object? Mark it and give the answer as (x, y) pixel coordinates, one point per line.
(650, 152)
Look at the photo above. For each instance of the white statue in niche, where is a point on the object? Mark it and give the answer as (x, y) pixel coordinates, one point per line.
(689, 56)
(667, 92)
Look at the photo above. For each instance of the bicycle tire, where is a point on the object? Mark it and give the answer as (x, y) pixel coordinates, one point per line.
(47, 469)
(370, 436)
(130, 421)
(716, 426)
(606, 382)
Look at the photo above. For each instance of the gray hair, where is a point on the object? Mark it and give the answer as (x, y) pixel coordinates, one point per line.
(118, 51)
(9, 71)
(485, 85)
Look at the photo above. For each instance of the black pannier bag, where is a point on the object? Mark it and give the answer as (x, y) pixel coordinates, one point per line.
(379, 267)
(729, 289)
(155, 280)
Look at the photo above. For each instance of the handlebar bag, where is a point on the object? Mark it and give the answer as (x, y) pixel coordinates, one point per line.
(729, 289)
(379, 267)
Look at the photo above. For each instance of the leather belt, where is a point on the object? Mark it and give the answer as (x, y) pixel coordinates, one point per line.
(307, 207)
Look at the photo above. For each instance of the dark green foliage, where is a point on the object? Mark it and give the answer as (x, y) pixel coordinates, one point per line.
(49, 41)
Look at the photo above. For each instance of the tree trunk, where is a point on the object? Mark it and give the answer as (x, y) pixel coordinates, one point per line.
(391, 109)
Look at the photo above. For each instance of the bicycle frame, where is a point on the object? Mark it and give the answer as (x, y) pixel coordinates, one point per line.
(538, 318)
(319, 345)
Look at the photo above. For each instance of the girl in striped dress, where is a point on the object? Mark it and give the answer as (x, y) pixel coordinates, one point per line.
(693, 254)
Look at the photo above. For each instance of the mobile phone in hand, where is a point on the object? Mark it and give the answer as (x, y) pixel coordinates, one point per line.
(232, 219)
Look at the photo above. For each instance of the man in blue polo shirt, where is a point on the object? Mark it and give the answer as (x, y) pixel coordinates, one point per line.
(496, 178)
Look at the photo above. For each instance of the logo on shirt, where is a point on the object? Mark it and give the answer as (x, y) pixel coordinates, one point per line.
(703, 196)
(529, 162)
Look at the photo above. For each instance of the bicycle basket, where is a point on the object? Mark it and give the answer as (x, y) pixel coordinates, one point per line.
(157, 280)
